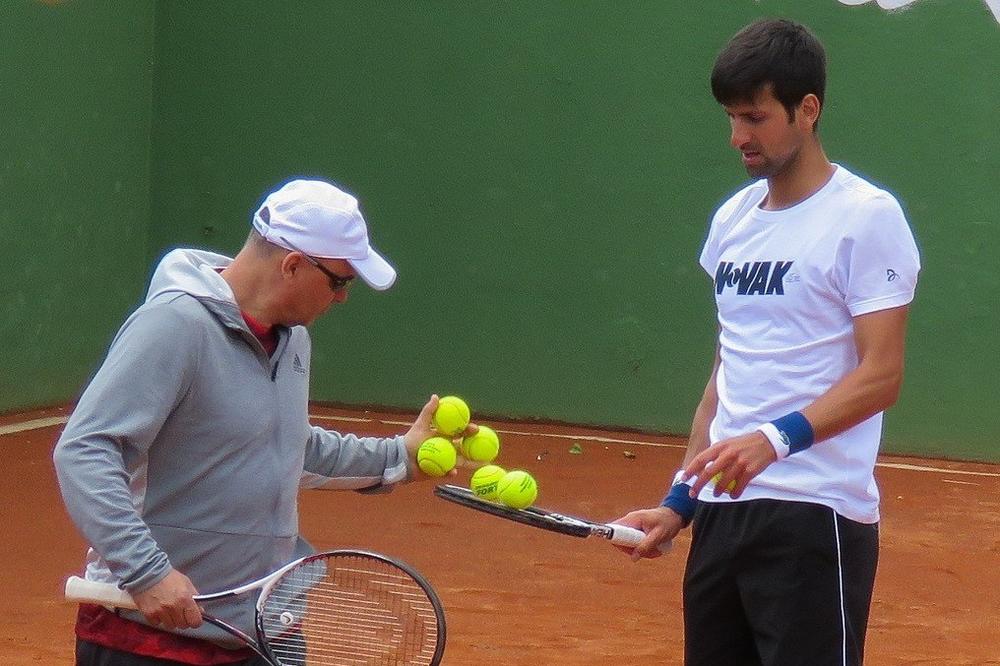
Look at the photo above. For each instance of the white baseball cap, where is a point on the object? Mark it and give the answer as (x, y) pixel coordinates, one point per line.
(324, 222)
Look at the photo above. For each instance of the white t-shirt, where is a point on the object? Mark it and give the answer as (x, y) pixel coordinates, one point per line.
(787, 285)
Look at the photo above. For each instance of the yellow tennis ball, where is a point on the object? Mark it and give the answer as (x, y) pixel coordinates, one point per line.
(481, 447)
(451, 416)
(485, 480)
(517, 489)
(732, 484)
(436, 456)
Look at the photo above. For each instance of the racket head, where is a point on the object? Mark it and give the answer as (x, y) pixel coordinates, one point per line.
(351, 606)
(534, 516)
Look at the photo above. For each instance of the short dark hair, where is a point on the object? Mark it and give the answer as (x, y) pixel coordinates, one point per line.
(776, 52)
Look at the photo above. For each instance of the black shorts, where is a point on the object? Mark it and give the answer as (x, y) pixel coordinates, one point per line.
(777, 583)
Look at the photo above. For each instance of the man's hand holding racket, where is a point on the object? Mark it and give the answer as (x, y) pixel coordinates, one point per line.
(170, 603)
(660, 524)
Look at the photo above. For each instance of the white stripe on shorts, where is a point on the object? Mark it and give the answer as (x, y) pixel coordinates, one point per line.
(840, 576)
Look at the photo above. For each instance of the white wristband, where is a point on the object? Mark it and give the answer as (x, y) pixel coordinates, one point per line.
(777, 441)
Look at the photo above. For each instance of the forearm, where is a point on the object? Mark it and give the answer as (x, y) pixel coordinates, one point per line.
(860, 395)
(346, 462)
(699, 439)
(678, 499)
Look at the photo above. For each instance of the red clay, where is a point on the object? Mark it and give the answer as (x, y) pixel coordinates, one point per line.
(530, 597)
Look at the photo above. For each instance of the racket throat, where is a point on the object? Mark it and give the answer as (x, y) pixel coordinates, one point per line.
(242, 635)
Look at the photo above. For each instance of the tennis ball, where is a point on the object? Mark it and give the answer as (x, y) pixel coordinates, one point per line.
(732, 484)
(436, 456)
(485, 480)
(451, 416)
(517, 489)
(481, 447)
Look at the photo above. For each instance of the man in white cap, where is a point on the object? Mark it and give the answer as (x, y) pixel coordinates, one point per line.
(182, 461)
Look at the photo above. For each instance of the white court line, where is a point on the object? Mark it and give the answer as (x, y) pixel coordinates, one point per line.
(922, 468)
(32, 425)
(589, 438)
(964, 483)
(57, 420)
(552, 435)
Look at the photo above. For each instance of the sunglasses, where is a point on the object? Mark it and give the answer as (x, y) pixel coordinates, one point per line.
(337, 282)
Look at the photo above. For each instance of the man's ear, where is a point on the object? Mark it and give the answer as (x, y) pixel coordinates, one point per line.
(290, 263)
(807, 113)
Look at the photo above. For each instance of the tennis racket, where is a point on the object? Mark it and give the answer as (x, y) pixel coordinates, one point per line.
(339, 608)
(620, 535)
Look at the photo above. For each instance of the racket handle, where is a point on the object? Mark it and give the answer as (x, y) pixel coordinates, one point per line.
(87, 591)
(622, 535)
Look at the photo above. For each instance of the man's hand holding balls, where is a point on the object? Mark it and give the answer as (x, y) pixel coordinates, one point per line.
(430, 441)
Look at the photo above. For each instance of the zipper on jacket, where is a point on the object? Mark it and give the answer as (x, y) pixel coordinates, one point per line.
(278, 353)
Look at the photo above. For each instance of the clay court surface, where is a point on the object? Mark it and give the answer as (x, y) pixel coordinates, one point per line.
(519, 596)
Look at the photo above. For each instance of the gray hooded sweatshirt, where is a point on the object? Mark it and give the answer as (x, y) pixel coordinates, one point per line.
(189, 446)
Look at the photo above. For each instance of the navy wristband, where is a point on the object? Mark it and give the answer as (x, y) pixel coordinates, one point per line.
(679, 500)
(796, 431)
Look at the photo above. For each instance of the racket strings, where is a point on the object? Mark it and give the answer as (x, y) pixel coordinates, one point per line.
(348, 611)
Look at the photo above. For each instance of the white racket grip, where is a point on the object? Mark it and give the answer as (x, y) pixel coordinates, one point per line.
(79, 590)
(622, 535)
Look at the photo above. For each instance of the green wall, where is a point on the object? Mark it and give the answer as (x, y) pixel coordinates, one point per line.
(75, 84)
(517, 164)
(542, 173)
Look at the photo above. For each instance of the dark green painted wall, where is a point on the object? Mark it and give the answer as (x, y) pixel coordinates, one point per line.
(75, 82)
(513, 162)
(542, 175)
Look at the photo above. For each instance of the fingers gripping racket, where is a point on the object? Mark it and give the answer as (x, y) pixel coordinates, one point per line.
(343, 607)
(620, 535)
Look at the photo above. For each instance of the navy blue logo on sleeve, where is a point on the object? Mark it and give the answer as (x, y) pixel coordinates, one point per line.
(297, 365)
(757, 278)
(890, 275)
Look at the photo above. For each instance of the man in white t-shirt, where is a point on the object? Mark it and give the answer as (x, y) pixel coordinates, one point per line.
(814, 269)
